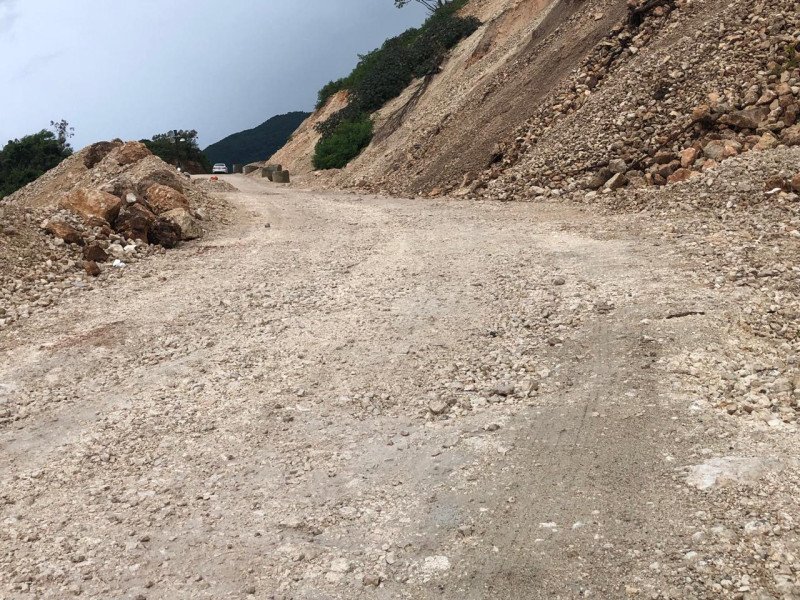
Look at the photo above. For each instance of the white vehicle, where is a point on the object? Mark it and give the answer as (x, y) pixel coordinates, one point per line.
(220, 168)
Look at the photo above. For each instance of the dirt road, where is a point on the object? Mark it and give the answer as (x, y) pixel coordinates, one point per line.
(350, 397)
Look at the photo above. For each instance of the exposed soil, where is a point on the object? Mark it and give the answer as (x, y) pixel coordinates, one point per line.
(342, 396)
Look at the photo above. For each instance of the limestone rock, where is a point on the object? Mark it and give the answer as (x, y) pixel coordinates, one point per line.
(161, 199)
(164, 232)
(731, 470)
(64, 231)
(94, 253)
(129, 153)
(189, 226)
(134, 222)
(791, 136)
(92, 204)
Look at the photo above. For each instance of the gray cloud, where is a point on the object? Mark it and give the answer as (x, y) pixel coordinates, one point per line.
(134, 69)
(8, 15)
(34, 65)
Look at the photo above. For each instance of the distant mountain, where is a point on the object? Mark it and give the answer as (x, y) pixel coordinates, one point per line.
(258, 143)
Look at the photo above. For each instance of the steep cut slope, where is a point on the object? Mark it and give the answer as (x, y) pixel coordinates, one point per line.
(254, 144)
(296, 156)
(558, 95)
(448, 127)
(448, 124)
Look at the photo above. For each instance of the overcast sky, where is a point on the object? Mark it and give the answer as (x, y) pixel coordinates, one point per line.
(134, 68)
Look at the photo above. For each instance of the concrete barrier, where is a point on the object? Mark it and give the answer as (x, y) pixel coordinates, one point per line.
(280, 176)
(271, 170)
(238, 168)
(249, 169)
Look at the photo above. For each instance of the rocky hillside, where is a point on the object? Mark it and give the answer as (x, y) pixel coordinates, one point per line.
(541, 99)
(107, 206)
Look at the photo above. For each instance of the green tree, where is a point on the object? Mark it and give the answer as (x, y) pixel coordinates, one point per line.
(63, 132)
(180, 149)
(26, 159)
(431, 5)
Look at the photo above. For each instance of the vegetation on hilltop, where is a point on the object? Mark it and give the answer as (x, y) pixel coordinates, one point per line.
(258, 143)
(382, 75)
(25, 160)
(179, 148)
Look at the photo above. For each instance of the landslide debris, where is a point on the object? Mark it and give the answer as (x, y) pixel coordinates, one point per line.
(712, 80)
(105, 207)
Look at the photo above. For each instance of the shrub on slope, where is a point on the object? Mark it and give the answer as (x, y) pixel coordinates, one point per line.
(383, 74)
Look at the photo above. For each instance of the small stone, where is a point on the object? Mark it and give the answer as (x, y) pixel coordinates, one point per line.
(559, 281)
(504, 389)
(95, 253)
(688, 156)
(466, 530)
(617, 166)
(371, 580)
(341, 565)
(92, 268)
(438, 406)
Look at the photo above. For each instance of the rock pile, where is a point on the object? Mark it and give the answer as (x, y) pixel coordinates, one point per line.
(110, 204)
(713, 80)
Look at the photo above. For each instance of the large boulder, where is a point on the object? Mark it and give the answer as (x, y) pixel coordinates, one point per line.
(92, 204)
(64, 231)
(682, 174)
(721, 149)
(97, 152)
(162, 177)
(189, 226)
(165, 232)
(162, 199)
(749, 118)
(129, 153)
(134, 222)
(94, 252)
(791, 136)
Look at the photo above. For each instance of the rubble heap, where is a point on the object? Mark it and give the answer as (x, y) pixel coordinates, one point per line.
(678, 87)
(110, 204)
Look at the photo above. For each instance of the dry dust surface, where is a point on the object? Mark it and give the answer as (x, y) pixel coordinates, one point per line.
(360, 397)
